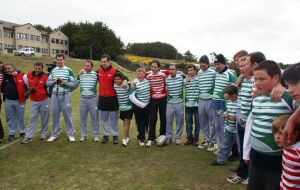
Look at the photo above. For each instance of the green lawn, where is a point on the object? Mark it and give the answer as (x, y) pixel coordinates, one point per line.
(90, 165)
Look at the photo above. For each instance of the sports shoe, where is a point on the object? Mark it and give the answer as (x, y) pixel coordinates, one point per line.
(245, 181)
(71, 138)
(83, 138)
(124, 142)
(127, 140)
(168, 141)
(203, 145)
(188, 142)
(51, 139)
(22, 135)
(212, 147)
(217, 152)
(141, 143)
(26, 140)
(11, 137)
(43, 137)
(104, 140)
(115, 140)
(96, 139)
(149, 143)
(177, 141)
(235, 179)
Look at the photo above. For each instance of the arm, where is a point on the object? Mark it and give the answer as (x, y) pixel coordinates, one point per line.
(50, 82)
(25, 79)
(277, 92)
(290, 127)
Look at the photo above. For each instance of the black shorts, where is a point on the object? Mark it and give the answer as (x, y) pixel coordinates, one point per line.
(108, 103)
(126, 114)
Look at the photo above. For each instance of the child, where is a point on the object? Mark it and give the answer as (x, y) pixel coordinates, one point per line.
(229, 138)
(290, 178)
(265, 155)
(140, 96)
(125, 106)
(191, 106)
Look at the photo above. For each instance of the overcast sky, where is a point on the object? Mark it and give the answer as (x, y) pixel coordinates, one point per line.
(223, 26)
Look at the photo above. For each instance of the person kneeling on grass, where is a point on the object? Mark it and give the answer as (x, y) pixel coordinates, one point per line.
(229, 138)
(125, 106)
(290, 176)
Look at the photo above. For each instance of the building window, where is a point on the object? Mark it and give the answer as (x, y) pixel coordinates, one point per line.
(0, 45)
(57, 41)
(7, 34)
(26, 36)
(5, 45)
(52, 40)
(32, 37)
(57, 51)
(66, 52)
(20, 35)
(38, 50)
(66, 42)
(61, 41)
(0, 32)
(44, 39)
(62, 51)
(38, 38)
(53, 51)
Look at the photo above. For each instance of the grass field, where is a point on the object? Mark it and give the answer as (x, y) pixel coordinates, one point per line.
(90, 165)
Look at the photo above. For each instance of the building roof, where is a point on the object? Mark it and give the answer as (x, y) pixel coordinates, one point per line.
(9, 25)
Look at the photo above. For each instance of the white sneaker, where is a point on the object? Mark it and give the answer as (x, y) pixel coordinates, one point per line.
(177, 141)
(149, 143)
(71, 138)
(81, 139)
(212, 147)
(51, 139)
(96, 139)
(124, 142)
(43, 137)
(127, 139)
(141, 143)
(217, 152)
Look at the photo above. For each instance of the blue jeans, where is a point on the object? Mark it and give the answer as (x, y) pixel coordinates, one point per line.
(228, 140)
(189, 113)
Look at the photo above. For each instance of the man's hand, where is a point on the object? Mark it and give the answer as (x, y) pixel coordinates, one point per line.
(81, 72)
(277, 92)
(288, 132)
(124, 84)
(239, 81)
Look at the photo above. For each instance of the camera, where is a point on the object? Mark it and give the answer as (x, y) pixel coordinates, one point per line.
(28, 92)
(50, 67)
(58, 81)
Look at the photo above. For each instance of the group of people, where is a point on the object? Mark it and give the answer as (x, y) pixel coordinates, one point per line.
(248, 110)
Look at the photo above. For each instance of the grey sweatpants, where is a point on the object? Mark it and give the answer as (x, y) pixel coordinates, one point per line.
(109, 119)
(14, 111)
(41, 107)
(174, 110)
(62, 103)
(89, 105)
(206, 121)
(219, 122)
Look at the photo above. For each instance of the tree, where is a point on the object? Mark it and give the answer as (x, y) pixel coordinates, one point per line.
(92, 39)
(188, 56)
(43, 28)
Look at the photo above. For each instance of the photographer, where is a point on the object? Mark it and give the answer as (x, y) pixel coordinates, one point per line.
(13, 89)
(50, 67)
(37, 92)
(62, 80)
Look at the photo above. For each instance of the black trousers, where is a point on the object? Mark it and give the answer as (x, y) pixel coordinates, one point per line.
(142, 121)
(155, 105)
(242, 169)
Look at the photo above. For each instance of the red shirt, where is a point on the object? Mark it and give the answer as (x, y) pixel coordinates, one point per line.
(157, 84)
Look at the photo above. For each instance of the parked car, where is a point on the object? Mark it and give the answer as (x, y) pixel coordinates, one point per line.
(25, 52)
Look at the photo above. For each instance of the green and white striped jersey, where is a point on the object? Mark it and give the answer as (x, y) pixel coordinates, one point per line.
(231, 109)
(265, 111)
(245, 97)
(174, 89)
(222, 80)
(65, 74)
(88, 83)
(142, 90)
(206, 83)
(192, 92)
(123, 97)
